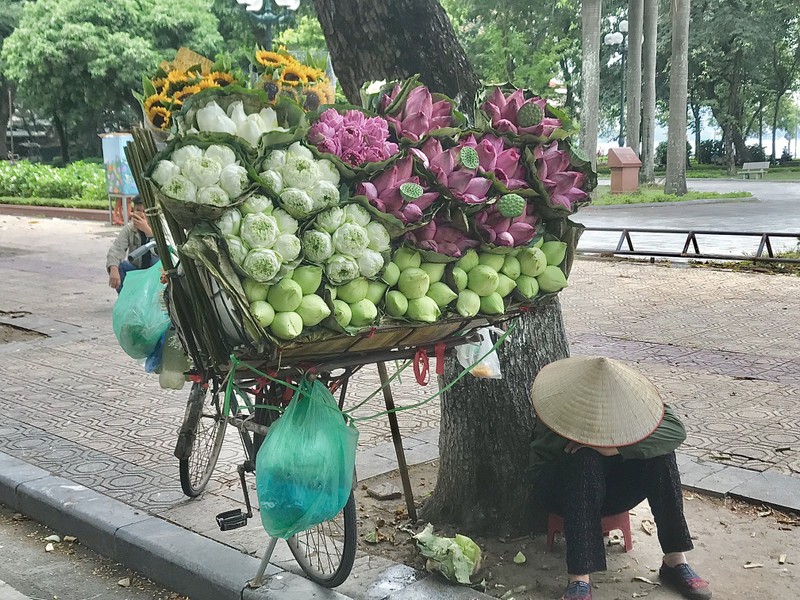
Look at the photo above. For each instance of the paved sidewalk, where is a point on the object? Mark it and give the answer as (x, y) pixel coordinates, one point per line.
(722, 346)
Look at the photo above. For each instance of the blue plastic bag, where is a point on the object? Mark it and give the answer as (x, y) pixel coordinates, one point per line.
(304, 468)
(139, 317)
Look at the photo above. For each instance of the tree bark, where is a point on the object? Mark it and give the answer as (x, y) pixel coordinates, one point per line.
(5, 111)
(775, 124)
(486, 429)
(392, 40)
(633, 80)
(649, 90)
(698, 126)
(590, 75)
(678, 89)
(61, 130)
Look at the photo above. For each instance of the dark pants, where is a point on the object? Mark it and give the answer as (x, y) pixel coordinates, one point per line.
(124, 267)
(587, 486)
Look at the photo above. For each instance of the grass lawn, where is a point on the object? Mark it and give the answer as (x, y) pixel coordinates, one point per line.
(60, 202)
(602, 196)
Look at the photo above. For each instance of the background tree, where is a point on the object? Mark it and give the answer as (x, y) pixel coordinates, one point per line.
(678, 78)
(9, 16)
(486, 425)
(633, 81)
(650, 30)
(590, 76)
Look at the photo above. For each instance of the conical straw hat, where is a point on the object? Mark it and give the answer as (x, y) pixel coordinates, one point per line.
(596, 401)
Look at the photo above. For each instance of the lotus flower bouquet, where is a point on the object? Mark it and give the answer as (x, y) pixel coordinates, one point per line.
(456, 170)
(499, 159)
(413, 113)
(400, 193)
(563, 186)
(352, 136)
(442, 237)
(516, 115)
(510, 222)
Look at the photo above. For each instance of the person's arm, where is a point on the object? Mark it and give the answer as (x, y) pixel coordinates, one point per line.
(666, 438)
(116, 254)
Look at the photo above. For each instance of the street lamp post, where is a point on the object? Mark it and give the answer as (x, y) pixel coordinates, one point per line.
(618, 38)
(264, 13)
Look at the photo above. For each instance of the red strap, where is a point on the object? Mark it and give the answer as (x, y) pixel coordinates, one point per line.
(440, 347)
(422, 369)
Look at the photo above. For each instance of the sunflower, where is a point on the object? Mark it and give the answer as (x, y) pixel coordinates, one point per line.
(156, 100)
(180, 96)
(206, 83)
(221, 79)
(159, 117)
(271, 87)
(159, 84)
(269, 59)
(313, 97)
(293, 76)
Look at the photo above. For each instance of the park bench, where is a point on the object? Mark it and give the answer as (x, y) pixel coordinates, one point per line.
(754, 168)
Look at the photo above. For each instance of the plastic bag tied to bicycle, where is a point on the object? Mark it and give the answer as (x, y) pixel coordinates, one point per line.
(139, 317)
(304, 468)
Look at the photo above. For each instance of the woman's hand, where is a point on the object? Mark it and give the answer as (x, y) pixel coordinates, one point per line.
(573, 447)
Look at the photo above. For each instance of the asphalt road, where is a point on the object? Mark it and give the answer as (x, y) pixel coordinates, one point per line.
(775, 207)
(68, 572)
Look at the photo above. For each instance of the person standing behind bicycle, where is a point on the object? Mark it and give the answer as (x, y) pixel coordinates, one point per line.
(133, 248)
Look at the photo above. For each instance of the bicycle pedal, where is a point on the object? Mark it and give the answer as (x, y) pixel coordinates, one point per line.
(231, 519)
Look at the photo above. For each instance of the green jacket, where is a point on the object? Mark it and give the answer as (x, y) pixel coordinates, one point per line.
(548, 447)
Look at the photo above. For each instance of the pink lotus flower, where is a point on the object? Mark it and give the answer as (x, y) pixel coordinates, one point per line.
(504, 110)
(383, 192)
(563, 186)
(504, 231)
(440, 237)
(501, 160)
(465, 184)
(354, 137)
(420, 113)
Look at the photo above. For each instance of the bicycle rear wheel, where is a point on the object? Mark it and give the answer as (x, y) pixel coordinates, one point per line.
(326, 552)
(200, 440)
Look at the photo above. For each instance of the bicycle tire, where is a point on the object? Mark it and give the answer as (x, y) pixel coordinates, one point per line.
(201, 437)
(307, 546)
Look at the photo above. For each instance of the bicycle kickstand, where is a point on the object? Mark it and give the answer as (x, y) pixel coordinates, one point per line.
(258, 580)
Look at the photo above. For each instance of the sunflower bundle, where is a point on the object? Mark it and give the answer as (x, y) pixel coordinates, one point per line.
(281, 74)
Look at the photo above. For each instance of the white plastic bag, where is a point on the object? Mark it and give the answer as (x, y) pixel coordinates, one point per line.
(468, 354)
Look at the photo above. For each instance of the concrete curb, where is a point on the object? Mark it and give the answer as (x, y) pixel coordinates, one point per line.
(54, 212)
(594, 207)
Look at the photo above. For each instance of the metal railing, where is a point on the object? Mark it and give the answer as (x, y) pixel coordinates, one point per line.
(625, 245)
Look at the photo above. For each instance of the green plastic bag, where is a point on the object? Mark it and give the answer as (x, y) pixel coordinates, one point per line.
(304, 468)
(139, 317)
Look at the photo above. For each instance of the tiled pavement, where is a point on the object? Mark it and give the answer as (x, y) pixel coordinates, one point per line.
(722, 346)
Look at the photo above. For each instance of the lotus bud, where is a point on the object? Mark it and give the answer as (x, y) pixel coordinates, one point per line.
(435, 271)
(469, 303)
(406, 258)
(285, 296)
(254, 291)
(332, 291)
(493, 260)
(309, 278)
(505, 285)
(353, 291)
(391, 273)
(342, 313)
(538, 243)
(555, 252)
(527, 286)
(363, 313)
(263, 313)
(532, 262)
(459, 279)
(376, 291)
(414, 283)
(511, 267)
(286, 325)
(396, 304)
(552, 280)
(441, 294)
(468, 261)
(483, 280)
(492, 304)
(423, 309)
(312, 310)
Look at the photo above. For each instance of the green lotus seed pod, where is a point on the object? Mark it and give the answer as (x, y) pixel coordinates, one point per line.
(411, 191)
(468, 157)
(529, 114)
(511, 205)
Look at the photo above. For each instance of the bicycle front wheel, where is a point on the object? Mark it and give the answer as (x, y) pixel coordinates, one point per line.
(200, 440)
(326, 552)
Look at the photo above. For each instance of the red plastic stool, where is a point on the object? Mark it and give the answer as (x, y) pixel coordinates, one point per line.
(621, 522)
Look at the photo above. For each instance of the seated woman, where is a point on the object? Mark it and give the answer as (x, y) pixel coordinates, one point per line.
(604, 442)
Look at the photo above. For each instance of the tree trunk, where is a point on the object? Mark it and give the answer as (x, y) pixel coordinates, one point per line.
(5, 111)
(61, 130)
(678, 81)
(698, 126)
(392, 40)
(486, 429)
(569, 97)
(590, 75)
(633, 85)
(775, 125)
(761, 124)
(649, 90)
